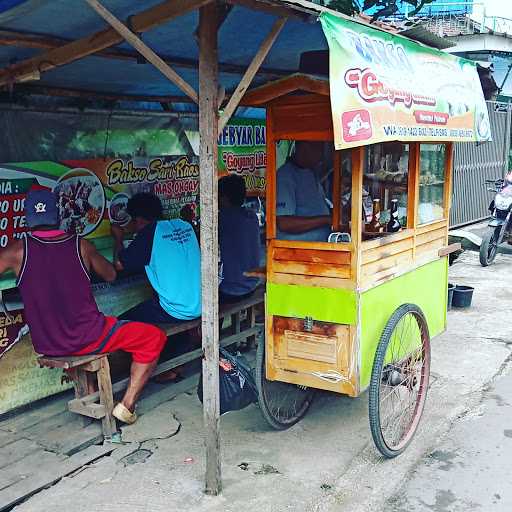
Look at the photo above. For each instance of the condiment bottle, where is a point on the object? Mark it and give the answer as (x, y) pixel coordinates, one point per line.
(375, 226)
(394, 224)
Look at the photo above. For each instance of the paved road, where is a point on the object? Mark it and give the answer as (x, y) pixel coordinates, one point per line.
(471, 468)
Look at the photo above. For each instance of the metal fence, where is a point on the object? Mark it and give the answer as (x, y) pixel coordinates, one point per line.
(474, 163)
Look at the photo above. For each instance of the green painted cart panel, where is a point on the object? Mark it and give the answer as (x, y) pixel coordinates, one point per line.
(336, 305)
(425, 286)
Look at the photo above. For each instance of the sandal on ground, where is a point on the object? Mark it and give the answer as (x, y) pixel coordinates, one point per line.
(123, 414)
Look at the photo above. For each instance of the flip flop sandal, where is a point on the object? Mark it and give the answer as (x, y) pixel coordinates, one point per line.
(123, 414)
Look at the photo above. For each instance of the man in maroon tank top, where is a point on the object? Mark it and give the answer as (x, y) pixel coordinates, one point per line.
(53, 276)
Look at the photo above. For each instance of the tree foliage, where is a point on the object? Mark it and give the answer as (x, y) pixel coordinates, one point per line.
(380, 8)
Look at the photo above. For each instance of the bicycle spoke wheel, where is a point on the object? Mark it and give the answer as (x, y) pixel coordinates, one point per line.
(282, 404)
(399, 383)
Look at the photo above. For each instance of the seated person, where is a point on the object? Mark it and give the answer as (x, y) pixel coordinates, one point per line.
(168, 251)
(302, 211)
(239, 234)
(53, 270)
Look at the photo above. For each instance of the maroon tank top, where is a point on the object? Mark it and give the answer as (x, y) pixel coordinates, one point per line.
(59, 306)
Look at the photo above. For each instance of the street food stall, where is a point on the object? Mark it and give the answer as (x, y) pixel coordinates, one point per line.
(328, 302)
(358, 310)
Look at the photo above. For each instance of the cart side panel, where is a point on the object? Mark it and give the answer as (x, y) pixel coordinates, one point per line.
(322, 356)
(335, 305)
(425, 286)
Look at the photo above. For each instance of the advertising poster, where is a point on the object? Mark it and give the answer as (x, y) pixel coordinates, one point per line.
(386, 87)
(12, 329)
(242, 150)
(92, 194)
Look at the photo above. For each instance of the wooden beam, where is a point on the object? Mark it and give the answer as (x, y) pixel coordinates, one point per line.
(62, 92)
(208, 121)
(45, 42)
(251, 72)
(291, 83)
(146, 20)
(144, 50)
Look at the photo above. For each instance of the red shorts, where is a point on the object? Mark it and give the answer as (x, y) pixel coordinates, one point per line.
(143, 341)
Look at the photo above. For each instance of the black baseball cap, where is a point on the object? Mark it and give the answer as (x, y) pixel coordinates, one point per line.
(41, 208)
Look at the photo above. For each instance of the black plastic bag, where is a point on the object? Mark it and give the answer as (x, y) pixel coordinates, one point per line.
(237, 387)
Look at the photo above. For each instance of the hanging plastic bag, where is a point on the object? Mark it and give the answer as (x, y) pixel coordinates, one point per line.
(237, 387)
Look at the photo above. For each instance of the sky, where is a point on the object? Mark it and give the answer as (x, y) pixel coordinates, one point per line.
(501, 8)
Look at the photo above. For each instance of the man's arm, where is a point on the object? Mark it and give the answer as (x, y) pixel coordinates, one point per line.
(137, 255)
(11, 257)
(96, 262)
(297, 224)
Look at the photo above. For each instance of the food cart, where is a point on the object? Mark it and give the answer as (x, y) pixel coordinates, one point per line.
(358, 311)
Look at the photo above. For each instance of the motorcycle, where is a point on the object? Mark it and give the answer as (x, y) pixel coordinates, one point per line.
(500, 223)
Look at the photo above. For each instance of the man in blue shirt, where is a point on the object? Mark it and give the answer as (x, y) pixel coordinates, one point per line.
(168, 251)
(302, 210)
(239, 235)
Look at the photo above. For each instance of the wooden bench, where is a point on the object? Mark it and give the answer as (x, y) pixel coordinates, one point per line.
(99, 404)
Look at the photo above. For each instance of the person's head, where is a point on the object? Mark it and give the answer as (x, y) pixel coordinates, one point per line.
(144, 208)
(41, 210)
(307, 154)
(231, 191)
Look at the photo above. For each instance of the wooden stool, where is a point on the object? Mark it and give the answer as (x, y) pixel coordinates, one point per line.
(82, 370)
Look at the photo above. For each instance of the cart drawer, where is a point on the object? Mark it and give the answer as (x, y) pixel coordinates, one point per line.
(323, 349)
(315, 347)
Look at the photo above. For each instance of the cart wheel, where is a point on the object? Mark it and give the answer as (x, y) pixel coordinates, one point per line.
(282, 404)
(399, 383)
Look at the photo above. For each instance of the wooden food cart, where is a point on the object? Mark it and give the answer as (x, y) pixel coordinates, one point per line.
(349, 316)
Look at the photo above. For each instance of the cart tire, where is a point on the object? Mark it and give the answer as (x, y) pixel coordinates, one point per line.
(282, 404)
(489, 247)
(407, 377)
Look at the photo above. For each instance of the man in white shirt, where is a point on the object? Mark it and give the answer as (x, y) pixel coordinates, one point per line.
(302, 210)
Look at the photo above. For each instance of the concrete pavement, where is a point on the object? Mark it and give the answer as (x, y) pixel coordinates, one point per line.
(327, 462)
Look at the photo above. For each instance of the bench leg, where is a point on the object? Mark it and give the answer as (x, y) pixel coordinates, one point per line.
(251, 318)
(82, 382)
(106, 398)
(236, 327)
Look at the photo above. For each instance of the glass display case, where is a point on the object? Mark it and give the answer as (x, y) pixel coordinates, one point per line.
(385, 188)
(432, 182)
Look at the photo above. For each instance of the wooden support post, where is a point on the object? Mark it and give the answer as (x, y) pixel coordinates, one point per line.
(144, 49)
(250, 73)
(336, 191)
(413, 190)
(448, 174)
(208, 122)
(357, 223)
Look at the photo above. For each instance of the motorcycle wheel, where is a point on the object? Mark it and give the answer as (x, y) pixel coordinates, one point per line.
(489, 247)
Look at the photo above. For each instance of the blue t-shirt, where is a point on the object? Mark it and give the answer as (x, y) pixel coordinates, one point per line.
(239, 249)
(299, 193)
(169, 252)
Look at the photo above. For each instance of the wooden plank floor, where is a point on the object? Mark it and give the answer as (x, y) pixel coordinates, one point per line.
(41, 445)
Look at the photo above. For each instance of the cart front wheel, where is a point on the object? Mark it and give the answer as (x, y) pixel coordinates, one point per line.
(399, 383)
(282, 404)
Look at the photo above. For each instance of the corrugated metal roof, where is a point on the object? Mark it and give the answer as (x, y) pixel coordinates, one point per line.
(422, 35)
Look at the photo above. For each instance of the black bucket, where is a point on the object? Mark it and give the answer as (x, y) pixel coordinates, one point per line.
(462, 296)
(451, 289)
